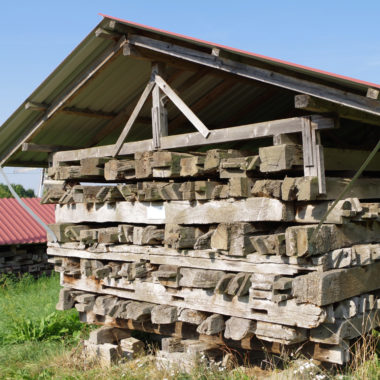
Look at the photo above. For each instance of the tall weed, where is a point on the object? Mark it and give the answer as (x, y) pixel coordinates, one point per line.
(27, 307)
(54, 326)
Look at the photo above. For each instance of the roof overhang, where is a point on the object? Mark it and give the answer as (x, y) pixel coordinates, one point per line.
(87, 98)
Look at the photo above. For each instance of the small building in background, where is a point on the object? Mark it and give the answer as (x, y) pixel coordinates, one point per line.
(22, 239)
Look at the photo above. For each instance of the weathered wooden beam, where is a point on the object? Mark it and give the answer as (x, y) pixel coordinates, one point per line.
(132, 118)
(159, 111)
(336, 285)
(306, 189)
(180, 104)
(30, 147)
(373, 93)
(33, 106)
(123, 116)
(329, 237)
(260, 74)
(312, 104)
(107, 34)
(204, 101)
(244, 132)
(313, 159)
(348, 328)
(288, 313)
(67, 94)
(72, 111)
(198, 259)
(179, 212)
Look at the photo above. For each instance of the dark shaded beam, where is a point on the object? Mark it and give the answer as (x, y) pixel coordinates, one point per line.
(203, 102)
(312, 104)
(249, 108)
(107, 34)
(33, 106)
(88, 113)
(192, 80)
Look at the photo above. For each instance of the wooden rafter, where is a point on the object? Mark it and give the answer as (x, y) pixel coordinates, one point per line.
(311, 104)
(33, 106)
(318, 90)
(88, 113)
(69, 93)
(30, 147)
(249, 108)
(204, 101)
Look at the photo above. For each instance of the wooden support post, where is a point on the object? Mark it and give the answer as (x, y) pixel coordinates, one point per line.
(313, 161)
(159, 112)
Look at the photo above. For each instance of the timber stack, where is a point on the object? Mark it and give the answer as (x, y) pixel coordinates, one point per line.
(22, 239)
(194, 186)
(27, 258)
(217, 247)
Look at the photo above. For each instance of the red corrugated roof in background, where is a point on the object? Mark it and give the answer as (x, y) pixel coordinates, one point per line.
(18, 227)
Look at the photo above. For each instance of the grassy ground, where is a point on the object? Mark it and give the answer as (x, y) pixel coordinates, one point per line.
(37, 342)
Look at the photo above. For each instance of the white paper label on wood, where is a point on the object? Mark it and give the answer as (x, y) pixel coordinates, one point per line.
(156, 211)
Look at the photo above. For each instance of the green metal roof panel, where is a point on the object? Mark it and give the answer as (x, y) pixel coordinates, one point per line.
(118, 85)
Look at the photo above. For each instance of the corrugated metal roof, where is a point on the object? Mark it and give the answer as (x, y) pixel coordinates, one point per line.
(279, 62)
(117, 86)
(18, 227)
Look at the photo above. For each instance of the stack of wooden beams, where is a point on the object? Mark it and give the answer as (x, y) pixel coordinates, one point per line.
(219, 247)
(25, 258)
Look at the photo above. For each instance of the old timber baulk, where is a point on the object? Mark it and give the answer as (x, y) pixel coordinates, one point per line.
(195, 215)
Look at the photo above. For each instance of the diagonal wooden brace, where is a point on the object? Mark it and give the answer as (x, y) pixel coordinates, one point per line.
(182, 106)
(133, 117)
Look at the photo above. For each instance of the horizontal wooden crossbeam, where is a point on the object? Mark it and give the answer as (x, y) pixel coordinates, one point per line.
(312, 104)
(239, 133)
(30, 147)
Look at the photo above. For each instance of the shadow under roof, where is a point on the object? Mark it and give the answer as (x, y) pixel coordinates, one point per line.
(97, 112)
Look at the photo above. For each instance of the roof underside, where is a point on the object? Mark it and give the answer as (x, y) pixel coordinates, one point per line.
(106, 101)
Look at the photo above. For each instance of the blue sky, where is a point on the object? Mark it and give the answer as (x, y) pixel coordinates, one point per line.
(337, 36)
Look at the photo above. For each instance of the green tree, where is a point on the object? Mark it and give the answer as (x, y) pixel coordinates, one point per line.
(19, 189)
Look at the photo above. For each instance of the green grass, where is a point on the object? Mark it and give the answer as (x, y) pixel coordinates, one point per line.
(37, 342)
(27, 309)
